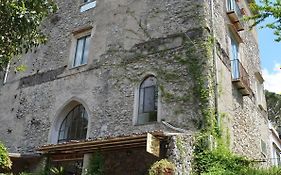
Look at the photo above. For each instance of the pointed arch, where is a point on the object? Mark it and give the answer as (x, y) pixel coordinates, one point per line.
(64, 126)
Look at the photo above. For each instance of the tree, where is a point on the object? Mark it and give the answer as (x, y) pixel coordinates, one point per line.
(273, 101)
(20, 26)
(5, 161)
(266, 9)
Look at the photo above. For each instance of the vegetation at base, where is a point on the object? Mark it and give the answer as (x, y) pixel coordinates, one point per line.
(20, 26)
(161, 167)
(96, 165)
(5, 162)
(222, 161)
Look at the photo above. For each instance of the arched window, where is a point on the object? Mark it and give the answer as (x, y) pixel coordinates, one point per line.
(148, 98)
(74, 126)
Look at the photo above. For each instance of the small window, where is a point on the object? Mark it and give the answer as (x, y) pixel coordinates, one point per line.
(88, 4)
(259, 90)
(260, 100)
(234, 49)
(263, 148)
(74, 126)
(148, 99)
(81, 51)
(234, 56)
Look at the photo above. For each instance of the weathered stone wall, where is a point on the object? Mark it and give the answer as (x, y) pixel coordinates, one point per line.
(180, 151)
(131, 39)
(243, 120)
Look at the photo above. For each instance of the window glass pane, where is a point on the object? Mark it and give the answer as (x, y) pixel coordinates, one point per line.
(79, 52)
(234, 49)
(74, 126)
(155, 98)
(149, 99)
(235, 69)
(86, 50)
(141, 96)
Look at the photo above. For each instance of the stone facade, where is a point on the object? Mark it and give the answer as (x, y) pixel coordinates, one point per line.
(129, 41)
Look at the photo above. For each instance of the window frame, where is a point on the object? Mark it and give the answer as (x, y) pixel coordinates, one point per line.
(69, 120)
(137, 104)
(84, 58)
(260, 98)
(79, 34)
(87, 5)
(263, 147)
(234, 58)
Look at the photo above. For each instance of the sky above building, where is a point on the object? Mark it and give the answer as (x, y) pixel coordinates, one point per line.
(270, 54)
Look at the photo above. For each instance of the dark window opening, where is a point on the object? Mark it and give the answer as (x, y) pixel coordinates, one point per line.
(148, 99)
(74, 126)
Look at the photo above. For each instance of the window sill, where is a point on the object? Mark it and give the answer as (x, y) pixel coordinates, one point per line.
(77, 67)
(145, 124)
(87, 6)
(74, 70)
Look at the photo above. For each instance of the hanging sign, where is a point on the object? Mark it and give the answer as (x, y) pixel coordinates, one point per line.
(153, 145)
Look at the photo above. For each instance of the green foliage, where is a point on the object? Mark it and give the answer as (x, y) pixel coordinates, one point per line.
(21, 68)
(20, 26)
(268, 8)
(57, 171)
(5, 161)
(24, 173)
(161, 166)
(96, 165)
(273, 101)
(220, 161)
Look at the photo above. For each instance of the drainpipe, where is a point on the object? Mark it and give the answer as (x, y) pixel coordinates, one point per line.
(6, 73)
(215, 64)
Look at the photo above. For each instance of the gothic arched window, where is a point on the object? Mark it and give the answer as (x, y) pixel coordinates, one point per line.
(74, 126)
(148, 98)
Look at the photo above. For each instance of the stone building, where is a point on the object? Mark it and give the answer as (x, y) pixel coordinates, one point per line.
(113, 71)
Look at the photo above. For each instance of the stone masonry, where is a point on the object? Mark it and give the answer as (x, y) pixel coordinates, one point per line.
(131, 39)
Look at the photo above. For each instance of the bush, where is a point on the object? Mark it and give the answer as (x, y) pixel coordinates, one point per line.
(5, 162)
(161, 167)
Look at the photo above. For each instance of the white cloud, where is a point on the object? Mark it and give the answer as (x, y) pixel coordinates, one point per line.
(273, 79)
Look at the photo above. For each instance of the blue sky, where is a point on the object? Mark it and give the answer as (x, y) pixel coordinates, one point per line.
(270, 54)
(270, 50)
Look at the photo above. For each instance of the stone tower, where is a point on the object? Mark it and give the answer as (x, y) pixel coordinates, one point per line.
(114, 71)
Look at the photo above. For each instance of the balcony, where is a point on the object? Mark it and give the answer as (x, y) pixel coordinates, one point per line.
(235, 15)
(240, 77)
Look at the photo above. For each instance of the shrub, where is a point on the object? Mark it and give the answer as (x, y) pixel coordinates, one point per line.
(161, 167)
(5, 161)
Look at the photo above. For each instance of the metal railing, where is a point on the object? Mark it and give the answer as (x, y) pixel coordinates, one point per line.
(239, 73)
(232, 6)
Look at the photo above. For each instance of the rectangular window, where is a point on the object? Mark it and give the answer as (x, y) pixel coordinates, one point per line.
(234, 49)
(259, 90)
(276, 159)
(88, 4)
(260, 100)
(234, 56)
(263, 148)
(81, 51)
(230, 5)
